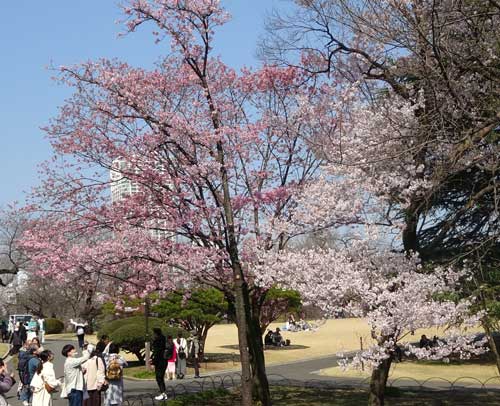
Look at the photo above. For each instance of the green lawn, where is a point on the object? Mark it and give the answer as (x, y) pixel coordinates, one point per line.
(423, 370)
(139, 372)
(296, 396)
(3, 349)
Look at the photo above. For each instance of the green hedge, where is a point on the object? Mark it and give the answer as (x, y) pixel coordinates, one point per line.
(54, 326)
(130, 333)
(110, 326)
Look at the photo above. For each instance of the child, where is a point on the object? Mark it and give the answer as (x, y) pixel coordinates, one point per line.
(171, 356)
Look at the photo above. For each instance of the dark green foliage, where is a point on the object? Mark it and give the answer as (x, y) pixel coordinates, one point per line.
(277, 302)
(199, 311)
(54, 326)
(211, 397)
(203, 306)
(130, 333)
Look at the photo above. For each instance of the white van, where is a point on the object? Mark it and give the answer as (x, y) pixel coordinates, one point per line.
(21, 318)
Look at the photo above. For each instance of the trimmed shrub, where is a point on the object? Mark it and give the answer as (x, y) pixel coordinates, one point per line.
(54, 326)
(130, 333)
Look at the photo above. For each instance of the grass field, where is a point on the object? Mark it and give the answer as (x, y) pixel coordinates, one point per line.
(334, 336)
(423, 370)
(3, 349)
(296, 396)
(339, 335)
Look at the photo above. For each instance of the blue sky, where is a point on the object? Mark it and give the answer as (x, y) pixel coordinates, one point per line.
(37, 34)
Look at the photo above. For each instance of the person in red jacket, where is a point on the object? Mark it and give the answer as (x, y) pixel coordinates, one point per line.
(171, 356)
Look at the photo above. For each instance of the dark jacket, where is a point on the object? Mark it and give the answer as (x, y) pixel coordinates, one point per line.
(33, 366)
(16, 339)
(23, 333)
(158, 349)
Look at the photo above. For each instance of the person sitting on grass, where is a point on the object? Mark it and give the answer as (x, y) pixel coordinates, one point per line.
(269, 338)
(278, 338)
(424, 342)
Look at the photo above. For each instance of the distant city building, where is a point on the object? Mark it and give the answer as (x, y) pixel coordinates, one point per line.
(122, 187)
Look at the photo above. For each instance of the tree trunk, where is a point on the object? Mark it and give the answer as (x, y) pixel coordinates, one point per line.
(491, 342)
(242, 323)
(241, 294)
(202, 337)
(410, 242)
(260, 382)
(138, 353)
(378, 382)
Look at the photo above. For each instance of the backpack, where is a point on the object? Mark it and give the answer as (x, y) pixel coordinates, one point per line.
(169, 351)
(24, 370)
(181, 353)
(114, 371)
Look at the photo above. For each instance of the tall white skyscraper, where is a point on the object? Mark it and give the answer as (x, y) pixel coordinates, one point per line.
(121, 186)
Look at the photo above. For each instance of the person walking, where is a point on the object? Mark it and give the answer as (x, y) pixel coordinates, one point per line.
(44, 381)
(95, 377)
(11, 326)
(15, 341)
(181, 349)
(159, 361)
(74, 382)
(22, 332)
(114, 376)
(41, 330)
(171, 356)
(3, 331)
(7, 381)
(193, 352)
(80, 332)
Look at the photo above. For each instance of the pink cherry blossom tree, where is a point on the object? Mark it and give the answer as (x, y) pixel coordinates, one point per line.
(204, 161)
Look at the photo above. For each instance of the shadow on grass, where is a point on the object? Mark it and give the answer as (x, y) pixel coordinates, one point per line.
(272, 347)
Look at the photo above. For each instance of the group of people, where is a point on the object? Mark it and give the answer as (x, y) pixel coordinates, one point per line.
(428, 343)
(31, 359)
(169, 356)
(274, 338)
(19, 333)
(22, 331)
(294, 325)
(98, 370)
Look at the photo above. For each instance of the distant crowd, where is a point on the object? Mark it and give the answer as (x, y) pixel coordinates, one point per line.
(95, 373)
(18, 332)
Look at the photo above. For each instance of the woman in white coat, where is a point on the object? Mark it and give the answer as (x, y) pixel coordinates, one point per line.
(44, 378)
(181, 349)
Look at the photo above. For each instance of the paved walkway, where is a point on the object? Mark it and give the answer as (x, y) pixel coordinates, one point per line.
(294, 371)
